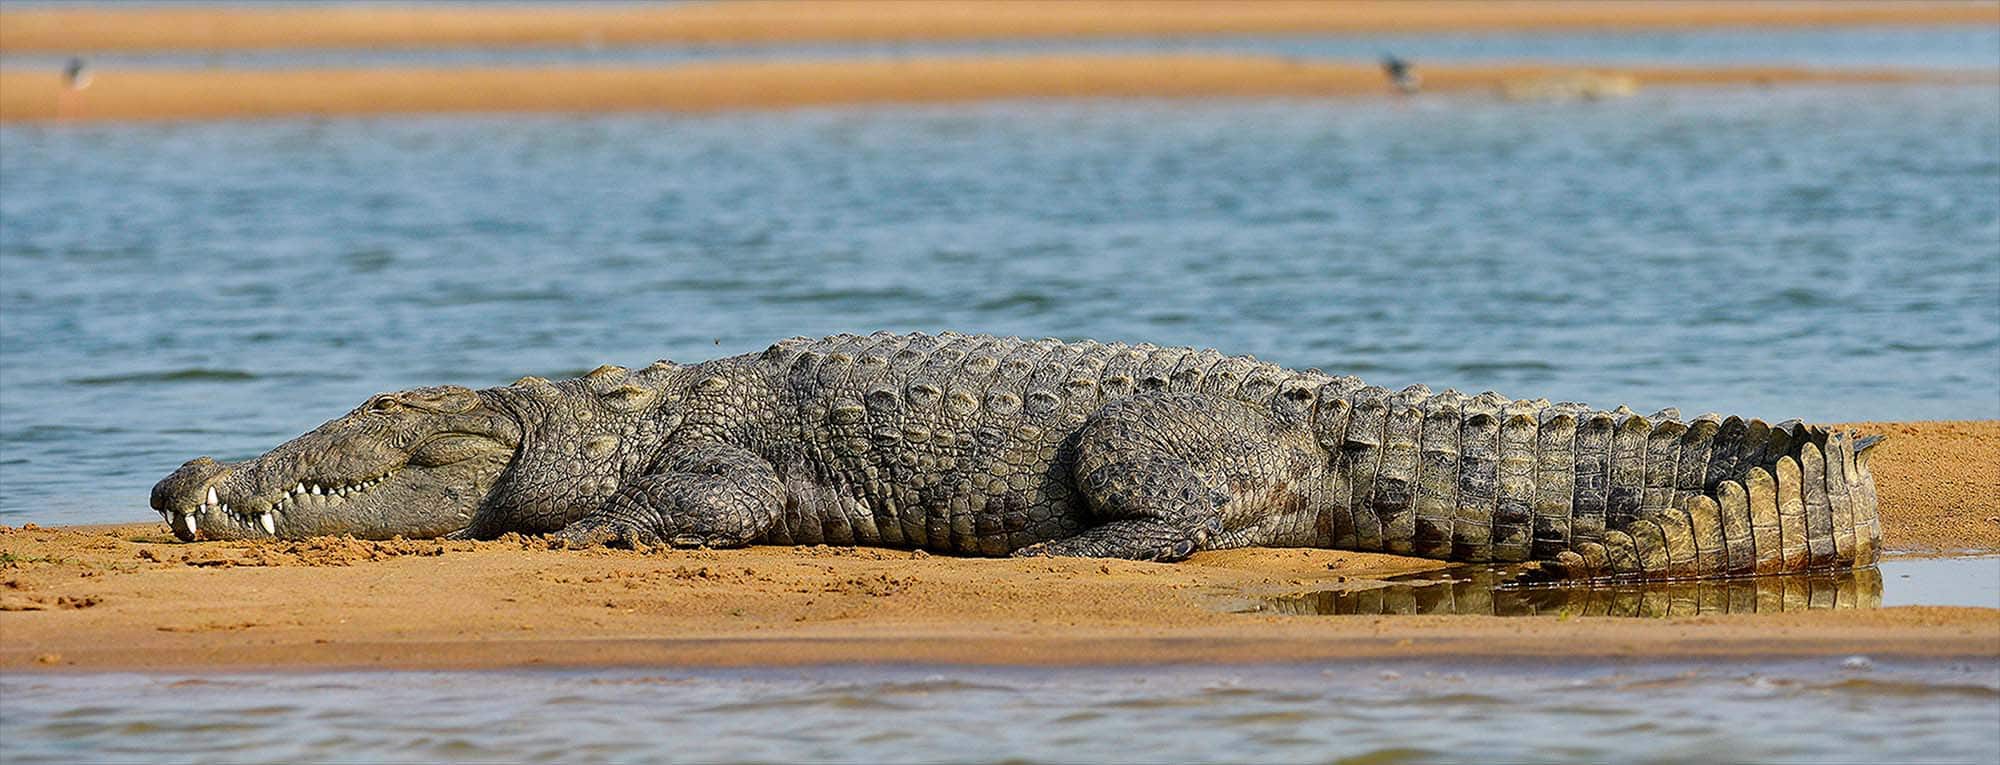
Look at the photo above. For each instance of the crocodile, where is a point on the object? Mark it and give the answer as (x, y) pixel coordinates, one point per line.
(996, 446)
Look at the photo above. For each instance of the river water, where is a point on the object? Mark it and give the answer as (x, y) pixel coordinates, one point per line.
(175, 289)
(1851, 709)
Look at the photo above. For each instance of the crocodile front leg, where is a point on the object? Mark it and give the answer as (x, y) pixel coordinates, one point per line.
(714, 495)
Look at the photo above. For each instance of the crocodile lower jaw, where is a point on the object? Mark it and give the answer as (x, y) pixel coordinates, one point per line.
(263, 513)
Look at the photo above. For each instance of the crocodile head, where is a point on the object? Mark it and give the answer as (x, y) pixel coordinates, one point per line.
(416, 463)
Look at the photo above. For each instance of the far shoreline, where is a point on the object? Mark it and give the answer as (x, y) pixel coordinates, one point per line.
(203, 94)
(216, 27)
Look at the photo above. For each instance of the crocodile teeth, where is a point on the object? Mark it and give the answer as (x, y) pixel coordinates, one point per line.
(269, 523)
(315, 490)
(192, 529)
(299, 489)
(212, 498)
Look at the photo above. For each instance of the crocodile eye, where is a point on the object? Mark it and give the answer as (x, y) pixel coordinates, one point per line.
(446, 450)
(383, 404)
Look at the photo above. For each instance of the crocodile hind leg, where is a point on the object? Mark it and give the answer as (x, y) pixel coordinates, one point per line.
(1172, 473)
(715, 496)
(1152, 509)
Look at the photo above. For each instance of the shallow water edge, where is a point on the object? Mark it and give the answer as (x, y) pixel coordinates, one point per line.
(1498, 591)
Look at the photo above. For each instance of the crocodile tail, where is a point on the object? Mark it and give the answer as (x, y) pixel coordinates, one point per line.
(1591, 493)
(1730, 497)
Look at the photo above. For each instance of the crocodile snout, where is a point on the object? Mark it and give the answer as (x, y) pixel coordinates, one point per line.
(182, 496)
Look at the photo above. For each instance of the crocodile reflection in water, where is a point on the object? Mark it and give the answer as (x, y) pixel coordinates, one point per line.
(1490, 591)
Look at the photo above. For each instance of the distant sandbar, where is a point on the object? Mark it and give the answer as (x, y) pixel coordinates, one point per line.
(418, 25)
(139, 94)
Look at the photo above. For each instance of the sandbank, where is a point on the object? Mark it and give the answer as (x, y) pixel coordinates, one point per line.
(145, 94)
(218, 27)
(129, 597)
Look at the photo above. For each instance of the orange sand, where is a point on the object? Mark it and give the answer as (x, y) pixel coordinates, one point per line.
(66, 30)
(1939, 483)
(225, 93)
(130, 597)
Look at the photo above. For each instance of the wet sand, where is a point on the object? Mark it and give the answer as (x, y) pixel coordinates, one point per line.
(70, 30)
(128, 597)
(140, 94)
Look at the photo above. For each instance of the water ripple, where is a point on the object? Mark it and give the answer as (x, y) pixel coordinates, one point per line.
(168, 376)
(1812, 709)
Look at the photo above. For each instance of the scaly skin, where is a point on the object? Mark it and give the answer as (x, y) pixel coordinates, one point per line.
(997, 446)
